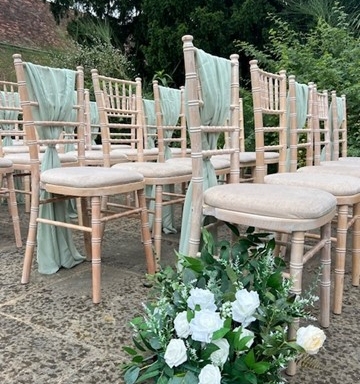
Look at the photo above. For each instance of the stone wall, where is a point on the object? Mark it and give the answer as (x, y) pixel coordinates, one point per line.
(30, 23)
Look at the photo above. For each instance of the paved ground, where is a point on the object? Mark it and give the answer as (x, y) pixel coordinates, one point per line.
(51, 333)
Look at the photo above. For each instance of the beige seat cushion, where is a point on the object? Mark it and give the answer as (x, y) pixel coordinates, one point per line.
(89, 177)
(250, 157)
(134, 152)
(278, 201)
(24, 158)
(339, 185)
(178, 152)
(5, 163)
(347, 170)
(156, 170)
(217, 162)
(98, 155)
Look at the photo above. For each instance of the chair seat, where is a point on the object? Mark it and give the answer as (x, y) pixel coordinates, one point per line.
(218, 162)
(157, 170)
(24, 158)
(98, 147)
(178, 152)
(250, 157)
(338, 163)
(355, 158)
(15, 149)
(272, 201)
(97, 155)
(89, 177)
(5, 163)
(134, 151)
(348, 170)
(340, 185)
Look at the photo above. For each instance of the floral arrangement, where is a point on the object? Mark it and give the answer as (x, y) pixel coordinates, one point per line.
(221, 319)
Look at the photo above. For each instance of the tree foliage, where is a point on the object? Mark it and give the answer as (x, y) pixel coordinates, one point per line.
(328, 54)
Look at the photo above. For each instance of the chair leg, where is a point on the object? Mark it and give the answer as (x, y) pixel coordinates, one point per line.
(296, 269)
(85, 221)
(27, 193)
(325, 283)
(31, 237)
(13, 209)
(356, 246)
(158, 224)
(96, 232)
(341, 236)
(145, 231)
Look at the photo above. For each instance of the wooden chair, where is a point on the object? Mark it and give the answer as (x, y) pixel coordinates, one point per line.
(122, 118)
(344, 188)
(7, 191)
(52, 187)
(270, 207)
(247, 159)
(12, 137)
(157, 175)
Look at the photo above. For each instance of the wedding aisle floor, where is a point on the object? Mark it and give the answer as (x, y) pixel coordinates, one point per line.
(51, 333)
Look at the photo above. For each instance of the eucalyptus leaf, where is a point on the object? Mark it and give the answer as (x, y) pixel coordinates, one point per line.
(188, 378)
(131, 375)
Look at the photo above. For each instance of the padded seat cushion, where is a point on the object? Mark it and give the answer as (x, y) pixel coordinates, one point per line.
(249, 157)
(98, 155)
(278, 201)
(353, 158)
(339, 185)
(24, 158)
(337, 163)
(217, 162)
(177, 151)
(347, 170)
(5, 163)
(15, 149)
(89, 177)
(135, 152)
(156, 170)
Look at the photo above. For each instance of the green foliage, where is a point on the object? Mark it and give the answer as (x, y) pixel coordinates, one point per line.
(257, 345)
(328, 55)
(103, 56)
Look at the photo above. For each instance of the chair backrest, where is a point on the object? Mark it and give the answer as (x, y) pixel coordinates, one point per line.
(52, 100)
(212, 108)
(270, 117)
(120, 109)
(11, 132)
(321, 129)
(338, 126)
(92, 121)
(300, 102)
(170, 120)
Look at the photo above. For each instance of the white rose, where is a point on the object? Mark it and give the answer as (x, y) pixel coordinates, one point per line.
(181, 325)
(310, 338)
(210, 375)
(204, 324)
(245, 306)
(244, 333)
(175, 353)
(220, 356)
(202, 297)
